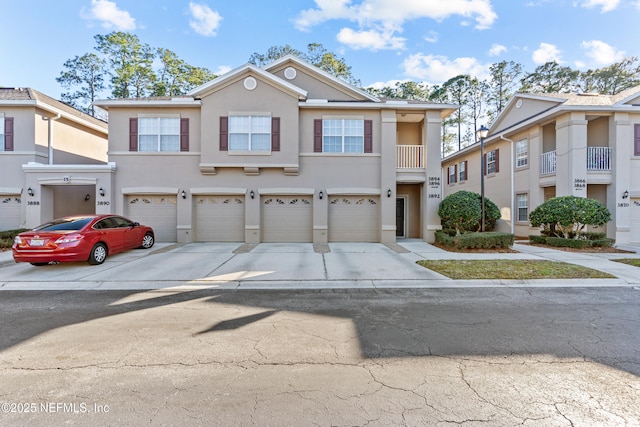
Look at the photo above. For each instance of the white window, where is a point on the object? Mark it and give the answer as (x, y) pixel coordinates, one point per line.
(522, 153)
(452, 174)
(1, 132)
(462, 171)
(343, 136)
(491, 162)
(522, 201)
(250, 133)
(159, 134)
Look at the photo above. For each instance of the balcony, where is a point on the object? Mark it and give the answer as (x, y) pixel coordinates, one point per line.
(598, 160)
(409, 156)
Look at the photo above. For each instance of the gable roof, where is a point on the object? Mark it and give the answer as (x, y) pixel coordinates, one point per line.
(226, 78)
(322, 75)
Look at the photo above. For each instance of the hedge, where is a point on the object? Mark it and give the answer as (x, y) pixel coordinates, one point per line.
(486, 240)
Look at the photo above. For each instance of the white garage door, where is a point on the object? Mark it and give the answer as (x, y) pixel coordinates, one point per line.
(354, 219)
(10, 216)
(635, 221)
(157, 211)
(287, 219)
(219, 218)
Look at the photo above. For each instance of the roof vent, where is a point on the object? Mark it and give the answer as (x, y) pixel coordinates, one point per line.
(589, 94)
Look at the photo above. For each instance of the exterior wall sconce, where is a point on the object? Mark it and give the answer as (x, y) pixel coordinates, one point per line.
(625, 194)
(101, 191)
(30, 192)
(252, 194)
(87, 197)
(320, 194)
(389, 193)
(183, 194)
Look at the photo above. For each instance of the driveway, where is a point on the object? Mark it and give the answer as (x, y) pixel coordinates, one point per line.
(286, 266)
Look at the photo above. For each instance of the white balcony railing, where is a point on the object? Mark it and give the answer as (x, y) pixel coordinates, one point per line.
(598, 158)
(548, 163)
(409, 157)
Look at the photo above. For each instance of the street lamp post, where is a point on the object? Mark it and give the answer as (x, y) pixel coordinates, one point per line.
(482, 134)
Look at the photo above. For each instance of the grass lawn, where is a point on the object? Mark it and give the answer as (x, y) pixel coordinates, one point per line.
(631, 261)
(511, 269)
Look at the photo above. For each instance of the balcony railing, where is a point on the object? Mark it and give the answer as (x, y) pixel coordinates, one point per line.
(548, 163)
(598, 159)
(409, 156)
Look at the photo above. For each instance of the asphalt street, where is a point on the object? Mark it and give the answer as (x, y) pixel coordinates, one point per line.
(484, 356)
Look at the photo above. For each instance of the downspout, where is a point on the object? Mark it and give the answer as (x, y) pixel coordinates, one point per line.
(513, 183)
(51, 119)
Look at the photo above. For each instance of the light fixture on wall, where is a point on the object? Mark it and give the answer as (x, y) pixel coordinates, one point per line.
(252, 194)
(183, 194)
(389, 193)
(30, 191)
(87, 197)
(625, 194)
(101, 191)
(320, 194)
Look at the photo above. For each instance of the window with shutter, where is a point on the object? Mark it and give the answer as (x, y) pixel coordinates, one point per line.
(6, 138)
(636, 140)
(342, 136)
(133, 134)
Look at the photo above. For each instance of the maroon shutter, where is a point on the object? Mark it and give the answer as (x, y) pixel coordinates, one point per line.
(8, 134)
(448, 175)
(368, 136)
(497, 158)
(184, 134)
(485, 164)
(455, 173)
(466, 169)
(275, 133)
(317, 135)
(133, 134)
(224, 133)
(636, 139)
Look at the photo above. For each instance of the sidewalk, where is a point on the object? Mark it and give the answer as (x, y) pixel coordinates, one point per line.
(174, 267)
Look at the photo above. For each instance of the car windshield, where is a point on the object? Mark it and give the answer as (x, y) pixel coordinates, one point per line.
(72, 224)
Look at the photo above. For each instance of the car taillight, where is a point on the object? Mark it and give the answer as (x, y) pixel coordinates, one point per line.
(17, 240)
(69, 239)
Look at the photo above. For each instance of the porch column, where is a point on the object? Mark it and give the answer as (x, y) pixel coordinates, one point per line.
(571, 152)
(432, 194)
(388, 143)
(621, 138)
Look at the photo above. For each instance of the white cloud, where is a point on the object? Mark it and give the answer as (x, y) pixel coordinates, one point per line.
(601, 53)
(546, 53)
(388, 83)
(222, 69)
(432, 37)
(371, 39)
(204, 20)
(110, 16)
(497, 49)
(390, 15)
(438, 69)
(605, 5)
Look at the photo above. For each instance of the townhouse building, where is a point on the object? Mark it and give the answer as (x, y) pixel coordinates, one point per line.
(283, 153)
(548, 145)
(46, 148)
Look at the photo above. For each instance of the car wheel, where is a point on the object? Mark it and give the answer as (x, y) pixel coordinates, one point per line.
(147, 241)
(98, 254)
(39, 264)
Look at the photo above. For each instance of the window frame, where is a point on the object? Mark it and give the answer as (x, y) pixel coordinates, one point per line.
(159, 134)
(519, 197)
(491, 161)
(251, 131)
(452, 172)
(520, 156)
(462, 171)
(343, 135)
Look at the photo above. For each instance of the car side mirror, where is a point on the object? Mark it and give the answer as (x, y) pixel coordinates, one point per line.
(136, 224)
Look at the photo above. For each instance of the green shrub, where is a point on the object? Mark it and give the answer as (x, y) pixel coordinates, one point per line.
(603, 243)
(568, 243)
(462, 211)
(538, 240)
(488, 240)
(7, 236)
(567, 216)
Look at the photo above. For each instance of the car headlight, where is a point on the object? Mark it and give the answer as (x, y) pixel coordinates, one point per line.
(69, 239)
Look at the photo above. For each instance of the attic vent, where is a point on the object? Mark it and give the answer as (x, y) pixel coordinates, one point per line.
(250, 83)
(290, 73)
(589, 94)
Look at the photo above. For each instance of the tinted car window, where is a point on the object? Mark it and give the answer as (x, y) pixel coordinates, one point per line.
(67, 225)
(122, 222)
(104, 224)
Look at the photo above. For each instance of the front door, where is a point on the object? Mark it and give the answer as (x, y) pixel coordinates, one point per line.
(400, 216)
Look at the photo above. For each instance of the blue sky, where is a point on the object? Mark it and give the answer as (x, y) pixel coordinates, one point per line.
(382, 40)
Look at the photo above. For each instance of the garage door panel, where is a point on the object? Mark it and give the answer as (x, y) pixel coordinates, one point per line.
(287, 219)
(156, 211)
(354, 219)
(10, 213)
(220, 219)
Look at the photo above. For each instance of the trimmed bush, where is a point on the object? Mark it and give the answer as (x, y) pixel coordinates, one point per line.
(7, 236)
(567, 216)
(568, 243)
(488, 240)
(462, 211)
(538, 240)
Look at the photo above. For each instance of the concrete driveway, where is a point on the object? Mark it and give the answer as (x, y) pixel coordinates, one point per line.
(284, 266)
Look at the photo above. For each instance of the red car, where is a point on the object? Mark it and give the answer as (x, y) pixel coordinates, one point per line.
(81, 238)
